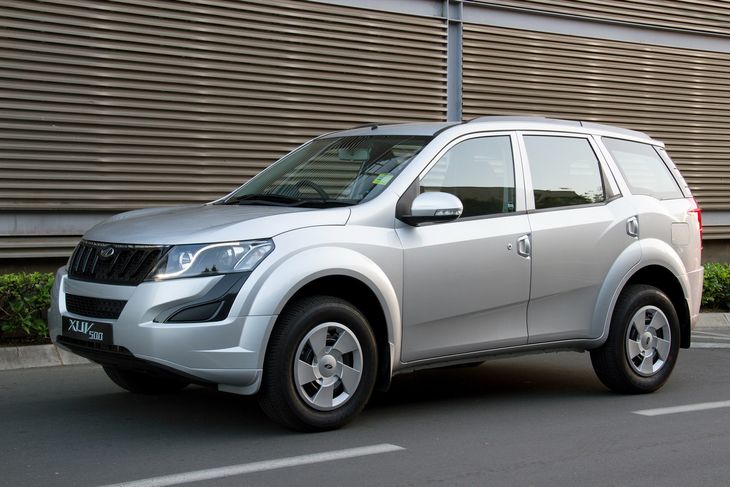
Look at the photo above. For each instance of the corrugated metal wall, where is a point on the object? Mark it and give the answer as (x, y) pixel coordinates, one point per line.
(137, 103)
(676, 95)
(695, 15)
(113, 105)
(33, 246)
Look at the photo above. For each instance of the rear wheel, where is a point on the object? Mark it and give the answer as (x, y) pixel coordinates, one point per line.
(321, 365)
(141, 383)
(643, 342)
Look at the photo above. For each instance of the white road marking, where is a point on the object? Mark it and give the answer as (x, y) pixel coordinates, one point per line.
(709, 345)
(684, 409)
(720, 336)
(244, 468)
(713, 336)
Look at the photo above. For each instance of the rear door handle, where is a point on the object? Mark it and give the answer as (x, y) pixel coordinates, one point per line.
(524, 246)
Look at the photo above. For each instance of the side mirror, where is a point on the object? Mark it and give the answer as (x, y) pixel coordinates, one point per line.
(433, 207)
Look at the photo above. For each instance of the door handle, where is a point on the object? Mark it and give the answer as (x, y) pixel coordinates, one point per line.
(632, 226)
(524, 246)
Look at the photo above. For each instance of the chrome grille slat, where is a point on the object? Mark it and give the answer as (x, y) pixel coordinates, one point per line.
(127, 266)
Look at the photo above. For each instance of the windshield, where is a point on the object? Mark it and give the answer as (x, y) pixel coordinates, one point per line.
(333, 171)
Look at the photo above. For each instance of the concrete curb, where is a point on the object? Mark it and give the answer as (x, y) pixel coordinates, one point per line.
(37, 356)
(714, 320)
(12, 358)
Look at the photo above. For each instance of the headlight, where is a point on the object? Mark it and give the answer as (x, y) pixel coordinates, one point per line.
(211, 259)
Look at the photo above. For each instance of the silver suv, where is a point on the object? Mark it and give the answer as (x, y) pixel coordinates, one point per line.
(384, 249)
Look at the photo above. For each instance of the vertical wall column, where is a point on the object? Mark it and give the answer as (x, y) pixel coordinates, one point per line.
(453, 13)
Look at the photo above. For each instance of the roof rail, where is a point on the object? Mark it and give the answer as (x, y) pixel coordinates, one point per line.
(618, 130)
(446, 127)
(524, 118)
(558, 121)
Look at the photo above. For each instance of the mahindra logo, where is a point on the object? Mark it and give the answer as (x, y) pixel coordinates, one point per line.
(106, 252)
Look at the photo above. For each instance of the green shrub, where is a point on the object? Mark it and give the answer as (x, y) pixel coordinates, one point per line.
(24, 298)
(716, 292)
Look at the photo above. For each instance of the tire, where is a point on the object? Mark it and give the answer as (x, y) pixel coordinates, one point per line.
(310, 379)
(141, 383)
(643, 342)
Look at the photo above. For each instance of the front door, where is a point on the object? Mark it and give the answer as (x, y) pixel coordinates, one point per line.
(466, 286)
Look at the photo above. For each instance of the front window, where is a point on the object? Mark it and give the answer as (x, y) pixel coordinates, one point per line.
(480, 172)
(332, 171)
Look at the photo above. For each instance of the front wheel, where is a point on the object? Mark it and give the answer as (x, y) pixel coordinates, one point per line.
(320, 367)
(643, 342)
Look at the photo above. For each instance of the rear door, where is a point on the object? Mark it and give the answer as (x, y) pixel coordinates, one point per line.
(580, 225)
(466, 286)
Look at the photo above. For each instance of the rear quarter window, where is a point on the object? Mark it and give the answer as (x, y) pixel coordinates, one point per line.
(643, 169)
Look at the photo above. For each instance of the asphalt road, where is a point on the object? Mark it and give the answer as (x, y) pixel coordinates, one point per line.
(537, 420)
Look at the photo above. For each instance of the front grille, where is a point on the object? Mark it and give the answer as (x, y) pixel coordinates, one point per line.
(94, 307)
(127, 265)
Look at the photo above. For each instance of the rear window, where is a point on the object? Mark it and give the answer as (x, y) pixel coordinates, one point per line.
(565, 171)
(643, 169)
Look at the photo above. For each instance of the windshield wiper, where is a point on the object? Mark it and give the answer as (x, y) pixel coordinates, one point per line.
(263, 198)
(280, 200)
(322, 203)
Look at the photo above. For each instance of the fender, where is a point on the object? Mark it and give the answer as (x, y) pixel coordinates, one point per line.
(266, 296)
(657, 252)
(650, 252)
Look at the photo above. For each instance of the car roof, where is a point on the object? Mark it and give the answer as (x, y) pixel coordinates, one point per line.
(493, 123)
(427, 128)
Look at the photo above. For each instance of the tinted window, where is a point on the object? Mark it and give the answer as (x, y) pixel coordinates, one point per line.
(565, 171)
(480, 172)
(643, 169)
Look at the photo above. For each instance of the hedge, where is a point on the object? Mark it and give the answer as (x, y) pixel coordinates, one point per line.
(24, 299)
(716, 293)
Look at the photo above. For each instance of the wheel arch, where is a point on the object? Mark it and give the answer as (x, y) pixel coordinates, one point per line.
(663, 279)
(652, 262)
(361, 296)
(348, 275)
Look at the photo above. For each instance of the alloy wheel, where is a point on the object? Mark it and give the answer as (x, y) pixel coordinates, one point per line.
(328, 366)
(648, 341)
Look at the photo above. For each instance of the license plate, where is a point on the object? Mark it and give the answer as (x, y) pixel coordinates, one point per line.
(90, 331)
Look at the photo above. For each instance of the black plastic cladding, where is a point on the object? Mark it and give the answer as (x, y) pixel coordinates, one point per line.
(94, 307)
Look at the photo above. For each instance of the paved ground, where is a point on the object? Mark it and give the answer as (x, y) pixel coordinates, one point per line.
(537, 420)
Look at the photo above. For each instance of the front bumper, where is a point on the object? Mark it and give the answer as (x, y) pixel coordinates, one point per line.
(226, 352)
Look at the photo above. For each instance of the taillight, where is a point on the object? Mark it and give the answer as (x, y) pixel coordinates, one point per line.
(695, 208)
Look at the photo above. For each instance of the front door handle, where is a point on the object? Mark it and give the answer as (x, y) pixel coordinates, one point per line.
(524, 247)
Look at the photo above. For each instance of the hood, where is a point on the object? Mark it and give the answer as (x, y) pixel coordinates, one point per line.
(210, 223)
